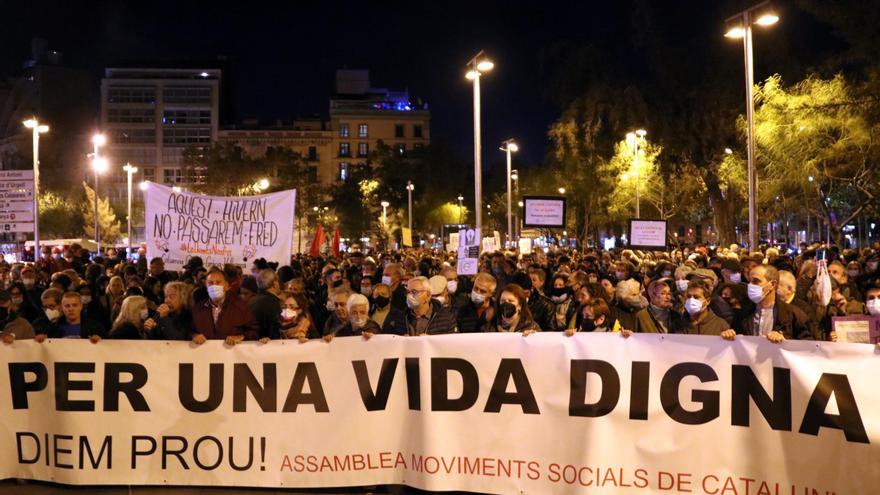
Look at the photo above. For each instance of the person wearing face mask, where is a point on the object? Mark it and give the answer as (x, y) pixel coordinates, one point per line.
(392, 276)
(457, 287)
(718, 305)
(66, 319)
(12, 326)
(562, 297)
(439, 292)
(731, 271)
(366, 287)
(50, 305)
(513, 313)
(477, 312)
(659, 316)
(129, 325)
(773, 318)
(870, 274)
(426, 316)
(222, 317)
(872, 300)
(296, 323)
(339, 316)
(390, 319)
(700, 319)
(358, 322)
(628, 302)
(595, 317)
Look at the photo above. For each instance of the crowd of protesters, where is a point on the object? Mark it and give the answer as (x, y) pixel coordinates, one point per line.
(724, 292)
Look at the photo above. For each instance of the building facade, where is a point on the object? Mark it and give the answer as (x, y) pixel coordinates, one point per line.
(150, 116)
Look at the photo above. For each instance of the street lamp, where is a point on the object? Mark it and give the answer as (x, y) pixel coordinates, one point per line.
(384, 211)
(633, 139)
(460, 207)
(34, 125)
(740, 26)
(514, 176)
(409, 189)
(476, 67)
(131, 171)
(99, 165)
(509, 147)
(561, 190)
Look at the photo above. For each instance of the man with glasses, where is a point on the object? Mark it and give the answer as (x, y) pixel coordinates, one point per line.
(426, 316)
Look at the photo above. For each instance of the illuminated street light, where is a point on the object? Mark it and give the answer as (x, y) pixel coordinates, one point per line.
(633, 139)
(476, 67)
(263, 184)
(728, 151)
(509, 146)
(409, 189)
(36, 129)
(740, 26)
(460, 207)
(130, 170)
(144, 185)
(99, 165)
(384, 211)
(561, 190)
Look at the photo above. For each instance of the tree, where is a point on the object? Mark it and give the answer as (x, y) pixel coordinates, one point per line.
(59, 218)
(109, 225)
(817, 148)
(221, 169)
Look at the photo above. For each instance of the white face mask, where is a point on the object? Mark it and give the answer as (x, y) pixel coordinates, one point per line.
(478, 299)
(620, 275)
(86, 300)
(852, 273)
(735, 278)
(331, 306)
(367, 291)
(666, 274)
(145, 313)
(682, 285)
(413, 302)
(358, 322)
(52, 314)
(289, 314)
(216, 292)
(756, 293)
(386, 280)
(452, 286)
(873, 307)
(693, 306)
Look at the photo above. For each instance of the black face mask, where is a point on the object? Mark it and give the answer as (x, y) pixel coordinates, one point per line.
(381, 301)
(588, 325)
(337, 283)
(507, 310)
(561, 291)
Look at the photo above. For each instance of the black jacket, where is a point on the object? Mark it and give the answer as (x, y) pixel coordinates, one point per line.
(175, 326)
(87, 328)
(267, 311)
(442, 320)
(789, 321)
(468, 319)
(543, 310)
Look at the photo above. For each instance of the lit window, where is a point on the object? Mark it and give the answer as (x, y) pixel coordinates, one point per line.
(343, 130)
(363, 149)
(344, 149)
(363, 130)
(343, 170)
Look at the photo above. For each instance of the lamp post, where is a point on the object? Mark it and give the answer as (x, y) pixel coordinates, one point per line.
(130, 170)
(476, 67)
(740, 26)
(514, 176)
(409, 189)
(99, 165)
(509, 147)
(36, 129)
(633, 139)
(460, 207)
(384, 211)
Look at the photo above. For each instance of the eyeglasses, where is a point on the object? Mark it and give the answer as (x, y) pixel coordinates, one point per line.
(416, 292)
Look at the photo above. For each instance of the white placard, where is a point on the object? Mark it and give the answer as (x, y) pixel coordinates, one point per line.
(647, 234)
(235, 230)
(525, 246)
(468, 251)
(544, 211)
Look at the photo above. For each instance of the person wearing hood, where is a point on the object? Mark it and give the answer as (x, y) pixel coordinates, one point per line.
(628, 302)
(12, 326)
(700, 319)
(513, 313)
(659, 316)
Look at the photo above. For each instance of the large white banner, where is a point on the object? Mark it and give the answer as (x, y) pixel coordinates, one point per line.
(220, 230)
(594, 413)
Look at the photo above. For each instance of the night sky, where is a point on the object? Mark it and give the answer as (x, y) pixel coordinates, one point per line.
(283, 58)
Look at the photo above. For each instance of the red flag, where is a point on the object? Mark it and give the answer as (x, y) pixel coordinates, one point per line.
(317, 242)
(336, 243)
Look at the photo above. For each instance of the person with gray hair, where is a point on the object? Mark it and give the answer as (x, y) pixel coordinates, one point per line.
(426, 316)
(266, 306)
(358, 323)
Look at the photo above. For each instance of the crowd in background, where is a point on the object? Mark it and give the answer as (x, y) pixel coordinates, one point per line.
(725, 291)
